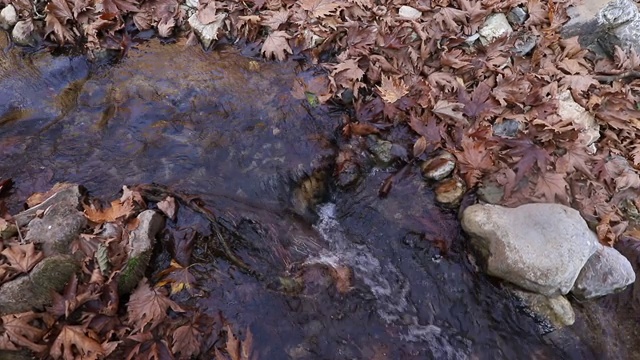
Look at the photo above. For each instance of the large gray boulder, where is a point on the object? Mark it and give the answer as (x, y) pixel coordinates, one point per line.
(606, 272)
(539, 247)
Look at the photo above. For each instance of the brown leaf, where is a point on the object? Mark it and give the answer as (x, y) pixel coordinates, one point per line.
(168, 207)
(186, 340)
(276, 45)
(17, 332)
(117, 210)
(320, 8)
(552, 186)
(360, 129)
(419, 146)
(78, 338)
(446, 110)
(392, 89)
(238, 350)
(118, 6)
(474, 160)
(22, 258)
(149, 306)
(38, 198)
(273, 19)
(58, 13)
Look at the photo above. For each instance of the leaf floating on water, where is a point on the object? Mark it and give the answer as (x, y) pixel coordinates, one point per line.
(168, 207)
(177, 276)
(117, 210)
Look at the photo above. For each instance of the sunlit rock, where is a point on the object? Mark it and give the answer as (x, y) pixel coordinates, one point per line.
(409, 13)
(8, 17)
(22, 33)
(539, 247)
(494, 27)
(606, 272)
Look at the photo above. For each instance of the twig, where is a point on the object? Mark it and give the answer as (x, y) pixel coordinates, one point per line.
(608, 79)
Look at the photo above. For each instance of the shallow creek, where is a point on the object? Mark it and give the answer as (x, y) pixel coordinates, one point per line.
(226, 128)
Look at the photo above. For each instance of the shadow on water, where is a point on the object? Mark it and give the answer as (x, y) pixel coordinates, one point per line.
(226, 128)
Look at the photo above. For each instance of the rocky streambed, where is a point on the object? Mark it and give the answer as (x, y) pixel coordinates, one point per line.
(227, 130)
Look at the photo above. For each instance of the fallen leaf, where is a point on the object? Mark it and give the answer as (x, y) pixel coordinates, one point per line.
(177, 276)
(22, 258)
(392, 89)
(168, 207)
(149, 306)
(117, 210)
(276, 45)
(75, 341)
(16, 332)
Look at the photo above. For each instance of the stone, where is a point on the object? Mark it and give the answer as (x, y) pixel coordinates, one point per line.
(409, 13)
(490, 192)
(606, 272)
(33, 291)
(539, 247)
(207, 33)
(494, 27)
(385, 151)
(506, 128)
(602, 25)
(58, 227)
(583, 121)
(22, 33)
(193, 3)
(450, 192)
(524, 44)
(557, 310)
(141, 242)
(517, 16)
(8, 17)
(438, 167)
(67, 195)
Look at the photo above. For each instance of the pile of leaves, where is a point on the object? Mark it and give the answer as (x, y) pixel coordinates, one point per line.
(422, 75)
(92, 319)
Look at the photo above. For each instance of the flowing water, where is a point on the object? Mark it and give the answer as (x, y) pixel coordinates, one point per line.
(226, 128)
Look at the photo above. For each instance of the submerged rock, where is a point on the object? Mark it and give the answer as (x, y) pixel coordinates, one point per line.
(539, 247)
(8, 17)
(449, 192)
(606, 272)
(438, 167)
(23, 33)
(556, 310)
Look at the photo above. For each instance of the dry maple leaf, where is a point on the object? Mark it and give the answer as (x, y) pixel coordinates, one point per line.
(149, 306)
(446, 110)
(320, 8)
(474, 160)
(119, 6)
(529, 154)
(186, 340)
(552, 186)
(276, 45)
(78, 338)
(273, 19)
(117, 210)
(58, 13)
(22, 258)
(392, 89)
(70, 300)
(236, 349)
(16, 332)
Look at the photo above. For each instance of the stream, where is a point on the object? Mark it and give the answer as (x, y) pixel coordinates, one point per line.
(226, 128)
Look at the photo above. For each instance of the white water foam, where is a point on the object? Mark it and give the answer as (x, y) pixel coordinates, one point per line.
(384, 281)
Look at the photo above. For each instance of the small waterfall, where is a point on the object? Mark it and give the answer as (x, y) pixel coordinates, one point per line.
(384, 281)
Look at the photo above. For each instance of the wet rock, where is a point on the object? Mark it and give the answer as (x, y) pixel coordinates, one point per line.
(556, 310)
(450, 192)
(141, 243)
(438, 167)
(34, 290)
(606, 272)
(506, 128)
(491, 193)
(8, 17)
(207, 33)
(494, 27)
(583, 121)
(539, 247)
(409, 13)
(23, 34)
(517, 16)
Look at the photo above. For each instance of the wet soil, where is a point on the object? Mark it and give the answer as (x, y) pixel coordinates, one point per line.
(226, 129)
